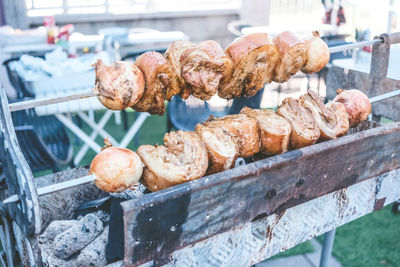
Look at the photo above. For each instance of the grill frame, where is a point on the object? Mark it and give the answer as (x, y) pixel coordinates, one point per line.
(26, 216)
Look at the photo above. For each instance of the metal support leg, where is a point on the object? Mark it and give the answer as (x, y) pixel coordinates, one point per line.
(327, 248)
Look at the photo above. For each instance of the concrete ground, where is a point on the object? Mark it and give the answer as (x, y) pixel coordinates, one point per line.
(303, 260)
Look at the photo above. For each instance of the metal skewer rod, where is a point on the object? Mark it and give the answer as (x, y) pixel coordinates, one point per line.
(47, 101)
(384, 96)
(55, 187)
(340, 48)
(90, 178)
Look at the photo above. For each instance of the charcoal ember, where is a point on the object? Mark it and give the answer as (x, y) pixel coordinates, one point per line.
(94, 254)
(103, 216)
(77, 237)
(134, 192)
(55, 228)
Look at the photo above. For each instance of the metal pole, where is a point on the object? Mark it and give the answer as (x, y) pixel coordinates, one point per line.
(327, 248)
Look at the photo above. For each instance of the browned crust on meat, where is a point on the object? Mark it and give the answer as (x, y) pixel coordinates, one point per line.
(274, 130)
(200, 72)
(119, 85)
(243, 129)
(161, 83)
(332, 119)
(222, 148)
(182, 158)
(305, 131)
(255, 59)
(293, 54)
(216, 51)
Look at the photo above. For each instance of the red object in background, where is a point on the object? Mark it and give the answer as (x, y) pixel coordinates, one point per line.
(65, 32)
(367, 49)
(50, 24)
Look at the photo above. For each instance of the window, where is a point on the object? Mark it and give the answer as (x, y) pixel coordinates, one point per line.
(114, 7)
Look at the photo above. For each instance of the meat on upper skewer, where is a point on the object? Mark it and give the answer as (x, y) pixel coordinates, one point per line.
(119, 85)
(317, 55)
(200, 72)
(305, 130)
(332, 118)
(242, 128)
(182, 158)
(274, 130)
(292, 55)
(222, 148)
(216, 51)
(254, 57)
(162, 82)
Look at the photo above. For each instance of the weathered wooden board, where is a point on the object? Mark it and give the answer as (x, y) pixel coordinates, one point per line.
(162, 222)
(263, 238)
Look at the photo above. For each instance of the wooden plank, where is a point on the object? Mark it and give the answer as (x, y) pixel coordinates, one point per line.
(162, 222)
(266, 237)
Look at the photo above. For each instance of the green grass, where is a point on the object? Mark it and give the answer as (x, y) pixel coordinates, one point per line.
(372, 240)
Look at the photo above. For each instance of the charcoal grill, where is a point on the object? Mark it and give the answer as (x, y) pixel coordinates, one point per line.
(233, 218)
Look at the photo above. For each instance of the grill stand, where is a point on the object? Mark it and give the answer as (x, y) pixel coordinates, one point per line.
(257, 214)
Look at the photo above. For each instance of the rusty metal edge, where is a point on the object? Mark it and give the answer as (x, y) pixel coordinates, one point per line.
(252, 168)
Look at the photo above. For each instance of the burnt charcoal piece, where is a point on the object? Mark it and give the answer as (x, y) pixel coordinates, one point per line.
(77, 237)
(95, 253)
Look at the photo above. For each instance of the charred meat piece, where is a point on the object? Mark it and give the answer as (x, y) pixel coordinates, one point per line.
(216, 51)
(242, 128)
(119, 85)
(200, 72)
(222, 148)
(162, 82)
(182, 158)
(317, 54)
(305, 130)
(293, 54)
(274, 130)
(254, 58)
(357, 105)
(332, 118)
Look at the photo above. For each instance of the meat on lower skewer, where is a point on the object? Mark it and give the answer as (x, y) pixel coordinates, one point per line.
(357, 105)
(242, 128)
(254, 57)
(305, 131)
(116, 169)
(119, 85)
(162, 82)
(292, 55)
(200, 72)
(274, 130)
(216, 143)
(182, 158)
(222, 148)
(332, 118)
